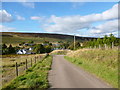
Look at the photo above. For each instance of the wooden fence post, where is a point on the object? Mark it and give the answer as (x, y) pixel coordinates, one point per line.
(94, 47)
(31, 62)
(26, 64)
(99, 46)
(105, 46)
(35, 59)
(112, 45)
(16, 69)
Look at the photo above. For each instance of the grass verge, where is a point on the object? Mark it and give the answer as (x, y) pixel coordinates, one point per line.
(34, 78)
(102, 63)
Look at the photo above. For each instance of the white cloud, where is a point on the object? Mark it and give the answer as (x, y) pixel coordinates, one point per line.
(75, 5)
(20, 17)
(64, 24)
(28, 4)
(5, 16)
(106, 15)
(5, 29)
(73, 24)
(35, 18)
(106, 28)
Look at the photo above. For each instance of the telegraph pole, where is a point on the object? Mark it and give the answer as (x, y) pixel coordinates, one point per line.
(74, 41)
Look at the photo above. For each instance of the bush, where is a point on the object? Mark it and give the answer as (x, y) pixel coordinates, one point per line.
(39, 48)
(9, 50)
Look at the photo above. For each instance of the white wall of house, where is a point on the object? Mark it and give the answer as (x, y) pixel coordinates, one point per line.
(21, 51)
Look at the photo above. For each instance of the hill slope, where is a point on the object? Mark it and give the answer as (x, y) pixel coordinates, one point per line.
(15, 38)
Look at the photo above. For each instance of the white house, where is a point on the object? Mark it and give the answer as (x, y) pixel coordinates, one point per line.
(21, 51)
(30, 48)
(25, 51)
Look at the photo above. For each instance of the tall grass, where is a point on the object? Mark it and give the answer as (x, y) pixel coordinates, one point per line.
(8, 65)
(34, 78)
(102, 63)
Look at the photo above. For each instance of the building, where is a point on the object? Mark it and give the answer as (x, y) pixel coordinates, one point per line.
(26, 51)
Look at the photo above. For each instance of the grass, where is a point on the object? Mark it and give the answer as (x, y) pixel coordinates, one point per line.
(8, 65)
(60, 52)
(34, 78)
(102, 63)
(15, 40)
(10, 60)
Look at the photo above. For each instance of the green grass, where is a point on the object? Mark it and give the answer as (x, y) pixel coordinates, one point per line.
(15, 40)
(34, 78)
(102, 63)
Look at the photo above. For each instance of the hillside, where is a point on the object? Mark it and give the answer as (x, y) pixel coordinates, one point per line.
(15, 38)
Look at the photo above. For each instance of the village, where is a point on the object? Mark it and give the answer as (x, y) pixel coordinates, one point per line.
(33, 48)
(28, 48)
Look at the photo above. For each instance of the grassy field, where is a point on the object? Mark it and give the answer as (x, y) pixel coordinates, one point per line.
(102, 63)
(9, 61)
(15, 40)
(34, 78)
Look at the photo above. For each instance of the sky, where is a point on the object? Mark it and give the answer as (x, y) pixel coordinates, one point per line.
(87, 19)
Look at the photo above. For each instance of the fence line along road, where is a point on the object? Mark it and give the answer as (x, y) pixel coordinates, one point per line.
(35, 59)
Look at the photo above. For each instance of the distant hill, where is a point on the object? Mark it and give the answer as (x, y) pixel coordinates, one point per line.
(48, 35)
(15, 37)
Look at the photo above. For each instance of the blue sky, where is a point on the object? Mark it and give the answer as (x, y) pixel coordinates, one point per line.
(80, 18)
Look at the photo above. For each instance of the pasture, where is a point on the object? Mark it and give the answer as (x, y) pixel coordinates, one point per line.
(9, 65)
(35, 77)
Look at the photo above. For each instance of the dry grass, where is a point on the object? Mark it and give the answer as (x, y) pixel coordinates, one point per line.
(109, 56)
(9, 61)
(59, 52)
(34, 78)
(102, 63)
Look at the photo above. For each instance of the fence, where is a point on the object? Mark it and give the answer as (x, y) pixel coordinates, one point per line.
(28, 64)
(105, 46)
(12, 70)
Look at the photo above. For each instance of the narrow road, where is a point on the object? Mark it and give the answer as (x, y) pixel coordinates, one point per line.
(66, 75)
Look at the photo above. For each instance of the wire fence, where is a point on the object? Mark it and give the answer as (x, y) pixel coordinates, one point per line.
(20, 67)
(104, 46)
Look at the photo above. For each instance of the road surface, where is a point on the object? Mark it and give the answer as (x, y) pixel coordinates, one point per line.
(67, 75)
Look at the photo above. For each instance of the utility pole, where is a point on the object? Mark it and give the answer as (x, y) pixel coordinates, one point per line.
(74, 41)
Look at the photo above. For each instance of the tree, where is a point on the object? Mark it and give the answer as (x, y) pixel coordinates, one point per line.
(39, 48)
(4, 51)
(11, 50)
(31, 42)
(60, 41)
(105, 39)
(4, 46)
(46, 42)
(50, 44)
(99, 42)
(48, 49)
(66, 45)
(77, 45)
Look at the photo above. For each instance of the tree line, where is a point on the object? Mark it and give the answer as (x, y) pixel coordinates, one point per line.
(47, 47)
(109, 41)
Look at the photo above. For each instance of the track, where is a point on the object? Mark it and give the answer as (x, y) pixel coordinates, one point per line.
(66, 75)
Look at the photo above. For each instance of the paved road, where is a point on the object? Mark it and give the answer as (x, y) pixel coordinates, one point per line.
(66, 75)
